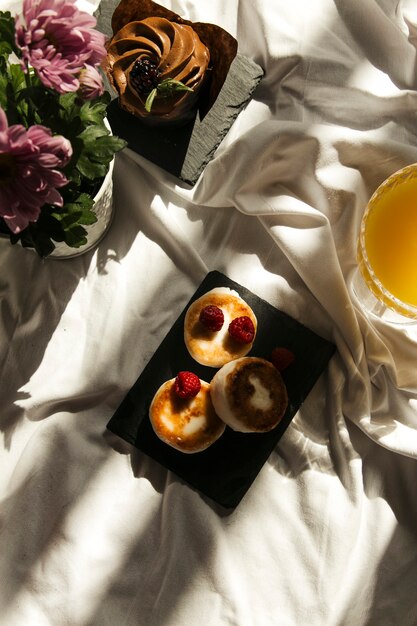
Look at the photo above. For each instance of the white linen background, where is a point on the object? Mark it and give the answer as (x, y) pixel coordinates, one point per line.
(326, 536)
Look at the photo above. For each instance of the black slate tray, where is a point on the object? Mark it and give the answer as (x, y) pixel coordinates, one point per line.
(186, 150)
(183, 151)
(226, 470)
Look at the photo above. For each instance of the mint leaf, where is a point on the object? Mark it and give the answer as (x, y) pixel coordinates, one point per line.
(165, 89)
(169, 86)
(149, 100)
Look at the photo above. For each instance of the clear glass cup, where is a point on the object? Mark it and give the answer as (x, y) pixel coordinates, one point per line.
(385, 282)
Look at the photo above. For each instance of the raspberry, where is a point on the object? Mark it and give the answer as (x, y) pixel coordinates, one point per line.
(187, 385)
(282, 358)
(212, 317)
(144, 76)
(242, 329)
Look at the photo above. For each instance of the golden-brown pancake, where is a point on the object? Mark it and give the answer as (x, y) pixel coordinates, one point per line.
(189, 425)
(215, 348)
(249, 395)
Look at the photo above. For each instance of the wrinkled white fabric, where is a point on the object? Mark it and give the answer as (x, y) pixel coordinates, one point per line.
(326, 535)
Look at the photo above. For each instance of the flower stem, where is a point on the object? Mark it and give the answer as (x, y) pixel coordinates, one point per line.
(31, 111)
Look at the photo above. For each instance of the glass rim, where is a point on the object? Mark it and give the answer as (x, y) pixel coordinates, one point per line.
(381, 292)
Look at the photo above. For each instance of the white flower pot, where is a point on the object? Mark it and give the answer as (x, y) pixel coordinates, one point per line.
(103, 208)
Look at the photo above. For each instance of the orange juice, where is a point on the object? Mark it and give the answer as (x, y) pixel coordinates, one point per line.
(388, 242)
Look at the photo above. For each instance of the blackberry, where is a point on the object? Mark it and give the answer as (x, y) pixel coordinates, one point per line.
(144, 76)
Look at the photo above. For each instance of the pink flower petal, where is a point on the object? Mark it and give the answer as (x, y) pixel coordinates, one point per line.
(58, 40)
(34, 176)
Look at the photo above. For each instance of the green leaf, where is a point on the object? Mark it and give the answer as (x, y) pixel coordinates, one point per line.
(7, 31)
(16, 77)
(5, 48)
(165, 89)
(114, 143)
(87, 218)
(76, 236)
(69, 219)
(76, 214)
(67, 100)
(84, 201)
(75, 177)
(48, 224)
(150, 99)
(16, 111)
(91, 133)
(70, 108)
(3, 88)
(89, 168)
(97, 151)
(104, 148)
(43, 245)
(94, 111)
(35, 237)
(12, 82)
(169, 86)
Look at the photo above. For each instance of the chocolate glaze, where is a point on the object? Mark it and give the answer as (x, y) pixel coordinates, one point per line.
(222, 46)
(179, 54)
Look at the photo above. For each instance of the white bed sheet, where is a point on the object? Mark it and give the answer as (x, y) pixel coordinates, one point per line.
(326, 536)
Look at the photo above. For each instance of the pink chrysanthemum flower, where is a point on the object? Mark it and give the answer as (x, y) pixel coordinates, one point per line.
(29, 174)
(58, 40)
(91, 83)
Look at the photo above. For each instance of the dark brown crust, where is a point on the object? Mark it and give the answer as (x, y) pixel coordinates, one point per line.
(222, 46)
(241, 389)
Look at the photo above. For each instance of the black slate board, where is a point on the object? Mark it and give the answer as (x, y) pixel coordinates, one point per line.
(226, 470)
(183, 151)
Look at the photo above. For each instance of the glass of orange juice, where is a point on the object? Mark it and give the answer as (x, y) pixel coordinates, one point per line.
(386, 281)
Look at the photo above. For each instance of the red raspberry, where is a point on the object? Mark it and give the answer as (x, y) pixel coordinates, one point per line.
(212, 317)
(187, 385)
(282, 358)
(242, 329)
